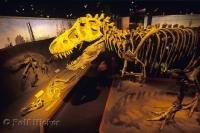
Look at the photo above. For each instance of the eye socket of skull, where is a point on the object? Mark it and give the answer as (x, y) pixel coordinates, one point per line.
(82, 29)
(82, 24)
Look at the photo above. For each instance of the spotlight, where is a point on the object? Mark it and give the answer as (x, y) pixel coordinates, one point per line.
(85, 6)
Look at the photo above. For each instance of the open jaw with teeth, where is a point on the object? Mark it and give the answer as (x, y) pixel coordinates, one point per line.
(89, 54)
(64, 54)
(82, 55)
(67, 53)
(84, 36)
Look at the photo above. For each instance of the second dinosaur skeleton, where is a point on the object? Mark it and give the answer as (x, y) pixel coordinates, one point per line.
(50, 95)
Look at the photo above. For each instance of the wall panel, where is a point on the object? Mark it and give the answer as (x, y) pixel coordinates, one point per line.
(42, 28)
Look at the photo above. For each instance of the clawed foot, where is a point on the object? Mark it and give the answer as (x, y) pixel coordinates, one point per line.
(167, 116)
(193, 105)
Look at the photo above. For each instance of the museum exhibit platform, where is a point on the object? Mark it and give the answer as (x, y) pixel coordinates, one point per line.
(100, 66)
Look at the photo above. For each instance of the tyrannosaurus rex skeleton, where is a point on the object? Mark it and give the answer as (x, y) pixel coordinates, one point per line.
(155, 47)
(152, 47)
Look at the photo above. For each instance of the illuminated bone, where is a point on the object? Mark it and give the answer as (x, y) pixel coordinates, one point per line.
(152, 46)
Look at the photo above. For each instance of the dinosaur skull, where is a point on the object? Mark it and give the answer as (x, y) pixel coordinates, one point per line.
(85, 29)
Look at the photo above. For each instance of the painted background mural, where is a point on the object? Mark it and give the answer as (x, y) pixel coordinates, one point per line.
(16, 30)
(190, 20)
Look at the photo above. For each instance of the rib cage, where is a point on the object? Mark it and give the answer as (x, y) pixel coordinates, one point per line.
(156, 47)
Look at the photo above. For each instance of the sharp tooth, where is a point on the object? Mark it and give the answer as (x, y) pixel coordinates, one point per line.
(80, 46)
(60, 55)
(65, 55)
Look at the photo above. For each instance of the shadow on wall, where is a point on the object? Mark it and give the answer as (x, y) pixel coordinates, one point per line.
(13, 68)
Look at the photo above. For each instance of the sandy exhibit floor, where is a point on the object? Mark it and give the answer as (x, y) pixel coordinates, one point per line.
(130, 104)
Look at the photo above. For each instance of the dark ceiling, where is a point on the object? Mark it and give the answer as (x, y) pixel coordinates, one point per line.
(76, 8)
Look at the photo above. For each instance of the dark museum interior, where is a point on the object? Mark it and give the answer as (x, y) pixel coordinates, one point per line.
(100, 66)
